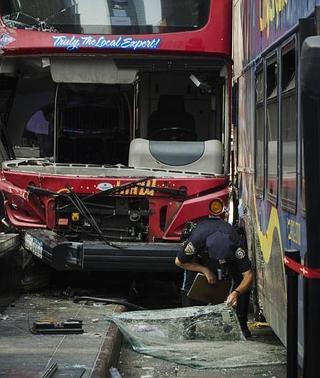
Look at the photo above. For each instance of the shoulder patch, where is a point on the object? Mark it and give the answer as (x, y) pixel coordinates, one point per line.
(189, 249)
(240, 254)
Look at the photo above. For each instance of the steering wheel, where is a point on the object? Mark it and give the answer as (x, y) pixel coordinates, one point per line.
(172, 133)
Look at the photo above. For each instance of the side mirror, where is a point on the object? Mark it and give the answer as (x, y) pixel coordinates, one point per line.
(201, 84)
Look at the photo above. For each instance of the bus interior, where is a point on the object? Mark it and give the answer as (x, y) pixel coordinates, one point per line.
(88, 110)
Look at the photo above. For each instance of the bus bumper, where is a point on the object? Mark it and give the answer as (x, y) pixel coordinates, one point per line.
(62, 255)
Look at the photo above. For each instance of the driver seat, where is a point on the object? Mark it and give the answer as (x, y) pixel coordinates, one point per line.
(170, 121)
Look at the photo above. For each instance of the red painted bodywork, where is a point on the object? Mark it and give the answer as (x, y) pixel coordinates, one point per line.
(27, 210)
(214, 38)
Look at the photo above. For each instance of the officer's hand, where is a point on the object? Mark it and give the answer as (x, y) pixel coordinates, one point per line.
(232, 299)
(211, 277)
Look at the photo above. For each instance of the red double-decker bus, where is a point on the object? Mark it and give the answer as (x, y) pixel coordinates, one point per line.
(115, 122)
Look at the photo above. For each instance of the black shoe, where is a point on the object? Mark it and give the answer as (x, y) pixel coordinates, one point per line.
(245, 330)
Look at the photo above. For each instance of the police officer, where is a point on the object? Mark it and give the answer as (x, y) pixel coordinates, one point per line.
(213, 248)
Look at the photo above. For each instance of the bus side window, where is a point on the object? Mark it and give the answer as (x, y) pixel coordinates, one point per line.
(259, 132)
(272, 129)
(289, 131)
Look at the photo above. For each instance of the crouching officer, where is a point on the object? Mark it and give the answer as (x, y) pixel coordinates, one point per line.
(213, 248)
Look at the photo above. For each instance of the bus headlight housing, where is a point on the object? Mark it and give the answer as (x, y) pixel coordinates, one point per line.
(216, 207)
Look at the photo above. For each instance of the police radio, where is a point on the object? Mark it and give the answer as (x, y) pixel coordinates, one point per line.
(219, 274)
(223, 270)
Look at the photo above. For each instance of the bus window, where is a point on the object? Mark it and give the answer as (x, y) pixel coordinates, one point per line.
(303, 188)
(177, 109)
(30, 123)
(259, 132)
(94, 123)
(38, 133)
(289, 131)
(272, 128)
(108, 16)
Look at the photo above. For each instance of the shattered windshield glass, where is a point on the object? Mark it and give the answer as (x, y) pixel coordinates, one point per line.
(206, 337)
(106, 16)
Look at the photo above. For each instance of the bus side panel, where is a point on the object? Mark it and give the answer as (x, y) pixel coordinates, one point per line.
(260, 218)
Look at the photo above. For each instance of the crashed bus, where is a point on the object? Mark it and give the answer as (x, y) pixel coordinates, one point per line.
(276, 66)
(115, 119)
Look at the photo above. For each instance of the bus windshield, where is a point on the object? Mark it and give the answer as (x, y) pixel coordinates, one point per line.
(106, 16)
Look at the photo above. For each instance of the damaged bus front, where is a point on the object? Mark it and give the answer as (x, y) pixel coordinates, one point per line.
(114, 133)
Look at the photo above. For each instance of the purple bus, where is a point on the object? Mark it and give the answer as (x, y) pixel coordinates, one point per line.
(276, 99)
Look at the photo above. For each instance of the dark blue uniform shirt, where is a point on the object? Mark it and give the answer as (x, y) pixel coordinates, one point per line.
(215, 243)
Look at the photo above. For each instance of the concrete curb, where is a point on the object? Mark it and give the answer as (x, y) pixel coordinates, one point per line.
(110, 350)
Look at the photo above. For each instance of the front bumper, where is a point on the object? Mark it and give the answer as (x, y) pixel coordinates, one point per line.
(62, 254)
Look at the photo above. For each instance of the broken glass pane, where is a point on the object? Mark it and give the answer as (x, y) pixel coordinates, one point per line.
(202, 337)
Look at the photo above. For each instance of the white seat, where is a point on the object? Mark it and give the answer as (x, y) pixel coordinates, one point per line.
(204, 157)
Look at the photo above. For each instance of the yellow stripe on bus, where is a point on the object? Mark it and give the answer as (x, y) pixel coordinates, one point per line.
(267, 238)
